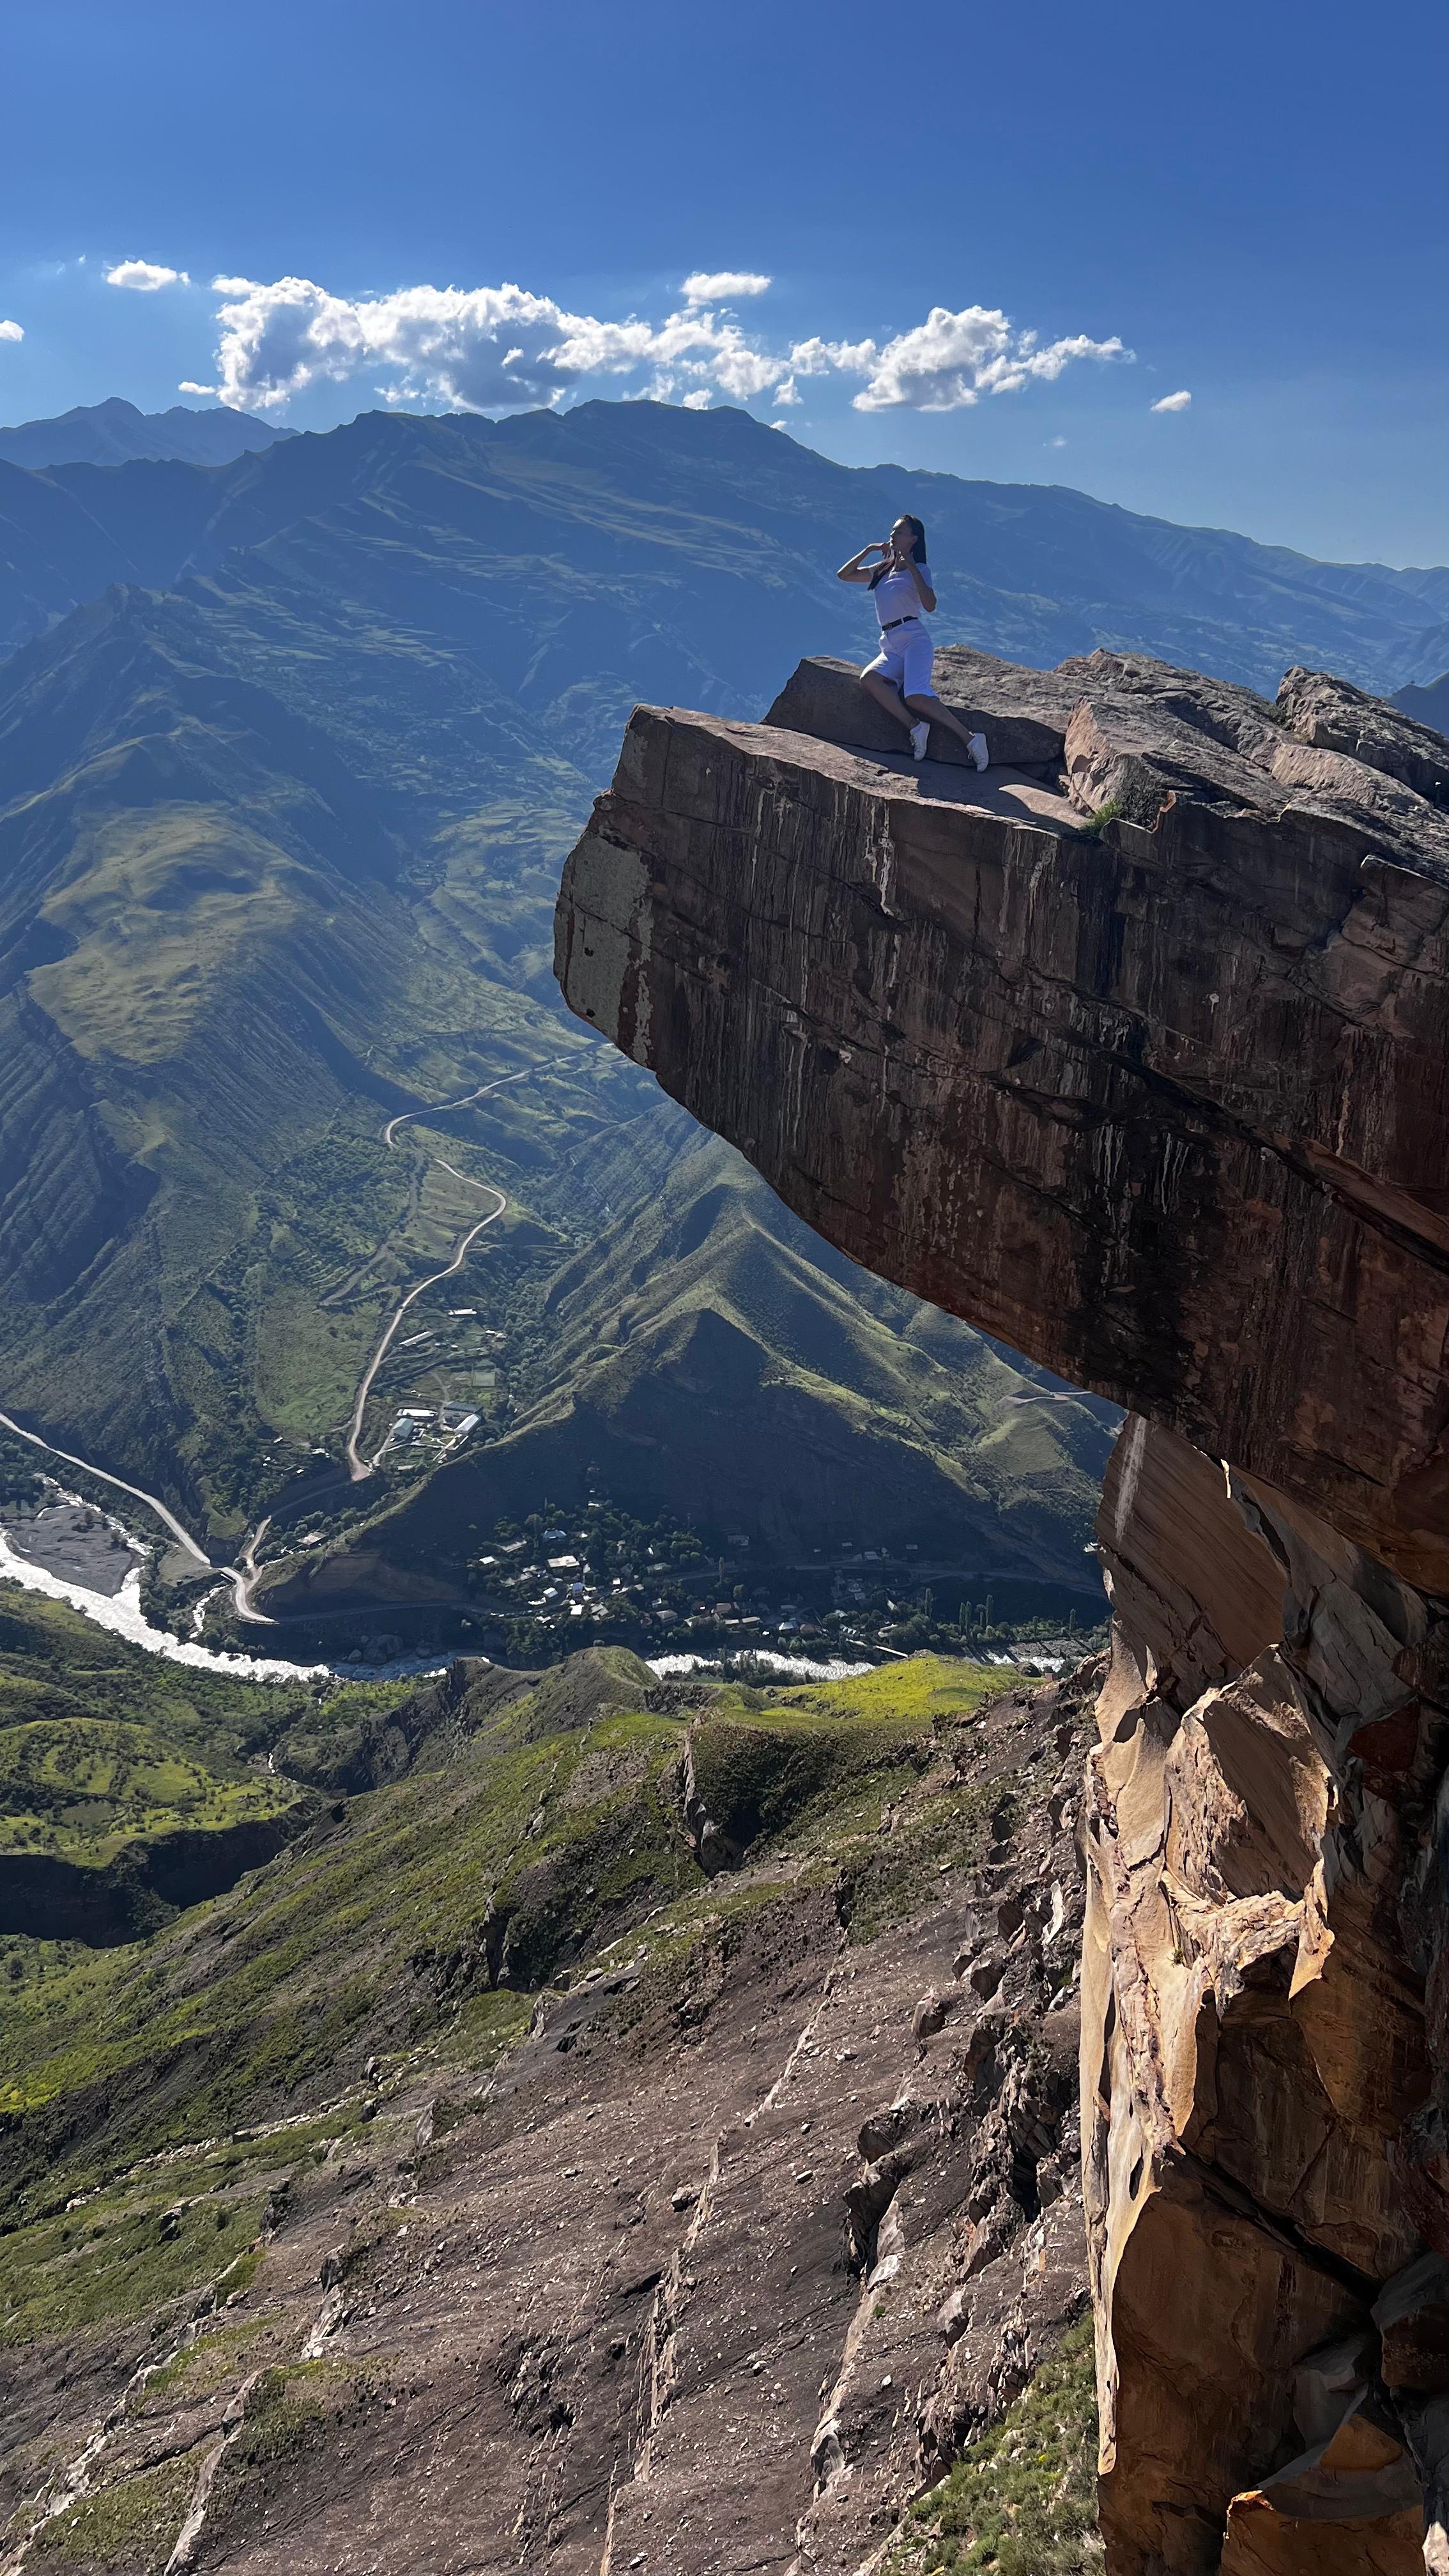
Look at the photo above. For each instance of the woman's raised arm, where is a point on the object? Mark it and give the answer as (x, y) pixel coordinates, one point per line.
(854, 570)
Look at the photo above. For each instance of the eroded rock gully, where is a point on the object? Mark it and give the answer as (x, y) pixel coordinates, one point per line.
(1137, 1054)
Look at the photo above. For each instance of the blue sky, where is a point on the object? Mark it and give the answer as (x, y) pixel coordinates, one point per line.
(1251, 201)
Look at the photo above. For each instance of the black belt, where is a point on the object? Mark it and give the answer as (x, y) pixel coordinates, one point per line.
(910, 619)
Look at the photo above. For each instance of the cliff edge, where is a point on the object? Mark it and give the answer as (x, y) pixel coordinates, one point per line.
(1135, 1053)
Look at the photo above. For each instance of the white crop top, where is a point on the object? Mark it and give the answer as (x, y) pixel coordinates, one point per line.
(897, 596)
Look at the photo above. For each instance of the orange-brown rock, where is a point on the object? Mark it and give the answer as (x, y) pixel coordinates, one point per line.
(1139, 1058)
(1164, 1107)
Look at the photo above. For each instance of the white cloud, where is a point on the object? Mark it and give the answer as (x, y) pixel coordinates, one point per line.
(1173, 402)
(817, 357)
(503, 348)
(11, 331)
(1056, 442)
(186, 387)
(950, 360)
(144, 277)
(487, 348)
(722, 285)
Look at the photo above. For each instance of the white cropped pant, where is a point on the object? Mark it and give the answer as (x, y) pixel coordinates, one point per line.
(905, 659)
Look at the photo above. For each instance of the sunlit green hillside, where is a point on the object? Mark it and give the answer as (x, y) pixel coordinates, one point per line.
(540, 1818)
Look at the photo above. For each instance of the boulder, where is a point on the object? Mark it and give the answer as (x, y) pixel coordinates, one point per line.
(1023, 714)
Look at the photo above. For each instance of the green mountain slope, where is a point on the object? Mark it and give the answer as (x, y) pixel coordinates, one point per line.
(206, 940)
(711, 1326)
(277, 862)
(544, 1816)
(128, 1786)
(362, 2217)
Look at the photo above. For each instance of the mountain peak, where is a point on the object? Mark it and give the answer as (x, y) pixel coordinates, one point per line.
(115, 432)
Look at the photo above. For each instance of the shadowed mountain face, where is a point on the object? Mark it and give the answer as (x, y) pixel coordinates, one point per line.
(115, 432)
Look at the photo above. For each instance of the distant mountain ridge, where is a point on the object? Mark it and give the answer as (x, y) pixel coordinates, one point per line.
(116, 433)
(699, 548)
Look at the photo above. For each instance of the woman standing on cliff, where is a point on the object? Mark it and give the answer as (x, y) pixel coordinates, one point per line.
(899, 679)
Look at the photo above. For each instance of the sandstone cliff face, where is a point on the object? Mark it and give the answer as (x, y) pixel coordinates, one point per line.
(1138, 1056)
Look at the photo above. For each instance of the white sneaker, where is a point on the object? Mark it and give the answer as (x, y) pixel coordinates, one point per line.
(920, 736)
(979, 752)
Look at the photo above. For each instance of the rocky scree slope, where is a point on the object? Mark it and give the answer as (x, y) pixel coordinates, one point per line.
(643, 2135)
(1138, 1055)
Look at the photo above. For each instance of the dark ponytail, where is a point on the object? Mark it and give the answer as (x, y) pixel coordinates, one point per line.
(918, 545)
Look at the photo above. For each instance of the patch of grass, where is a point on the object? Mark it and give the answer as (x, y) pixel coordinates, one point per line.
(486, 2025)
(130, 2527)
(110, 2260)
(294, 2412)
(818, 1760)
(1022, 2501)
(888, 1876)
(83, 1789)
(210, 2362)
(923, 1690)
(1096, 824)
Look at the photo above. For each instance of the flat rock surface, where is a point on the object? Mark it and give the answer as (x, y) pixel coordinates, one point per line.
(1018, 795)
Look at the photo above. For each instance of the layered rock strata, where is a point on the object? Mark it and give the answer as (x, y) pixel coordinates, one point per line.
(1138, 1057)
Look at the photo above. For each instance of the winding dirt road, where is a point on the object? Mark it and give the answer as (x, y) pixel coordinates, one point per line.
(360, 1466)
(242, 1577)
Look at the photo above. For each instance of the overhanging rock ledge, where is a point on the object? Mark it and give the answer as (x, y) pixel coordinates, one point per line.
(1136, 1054)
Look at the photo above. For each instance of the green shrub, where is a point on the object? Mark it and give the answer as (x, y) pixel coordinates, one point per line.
(1022, 2501)
(107, 2261)
(1096, 824)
